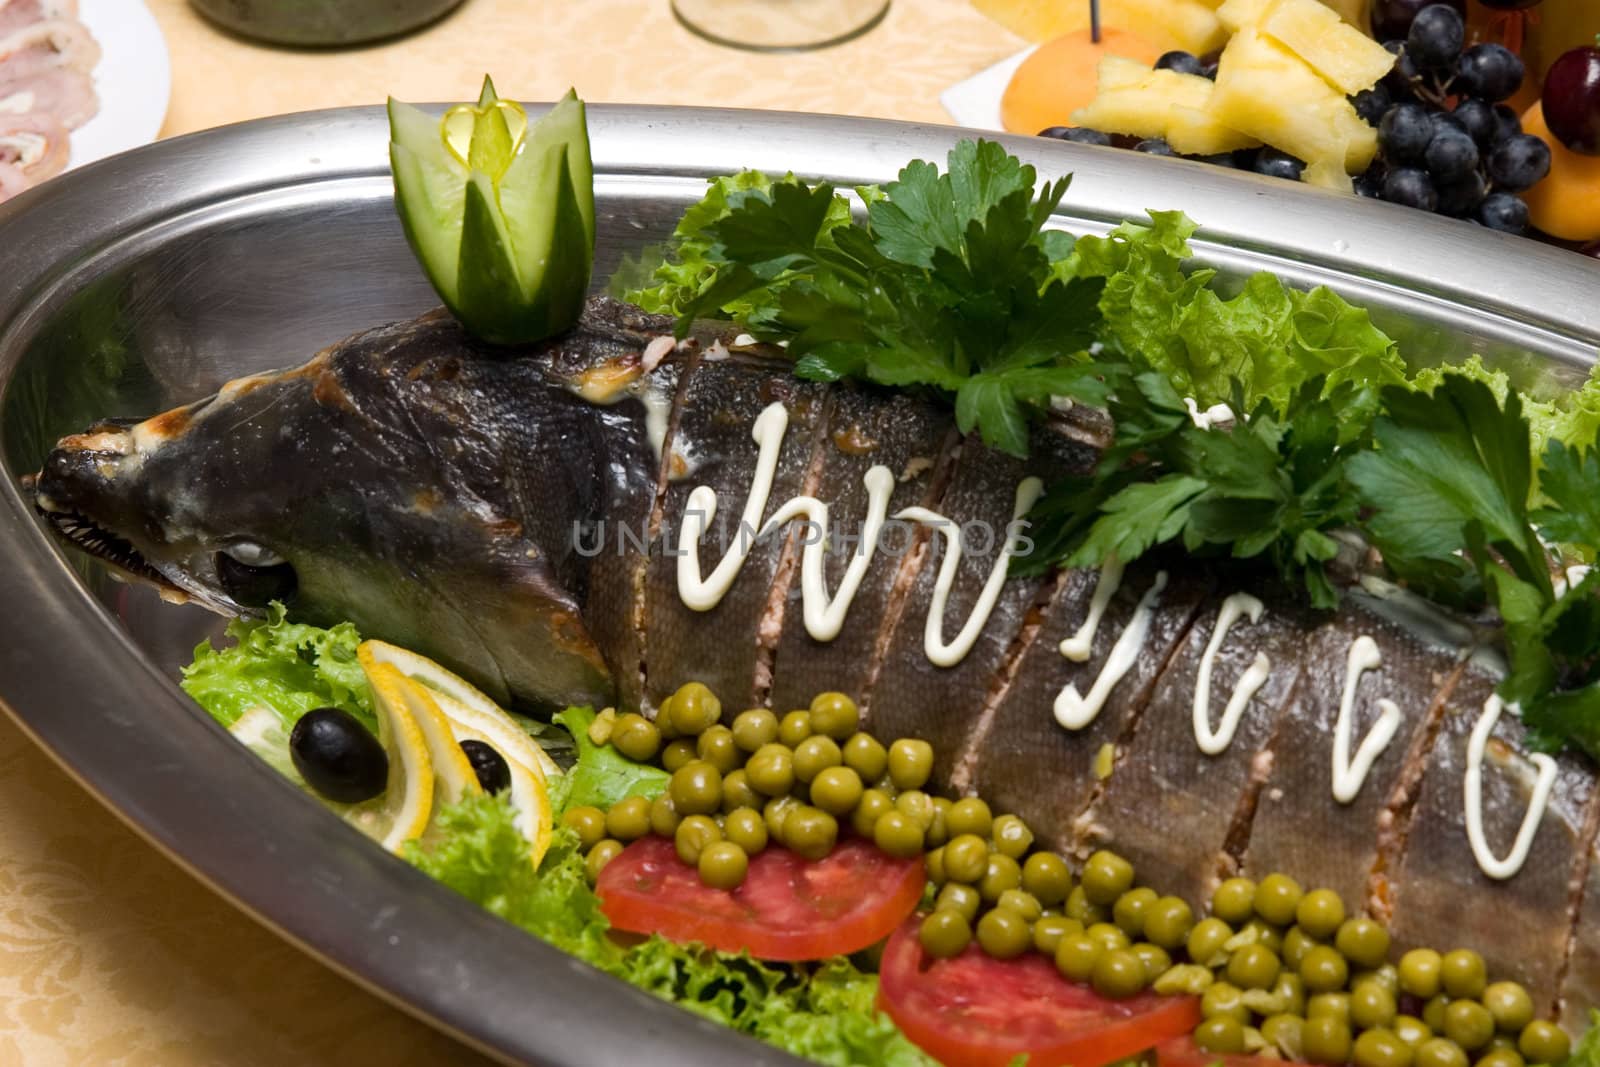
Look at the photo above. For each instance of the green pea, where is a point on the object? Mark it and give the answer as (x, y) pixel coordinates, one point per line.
(589, 822)
(1462, 974)
(1439, 1052)
(1290, 991)
(1363, 942)
(1234, 901)
(677, 753)
(1277, 896)
(1296, 943)
(1510, 1005)
(1410, 1029)
(1022, 902)
(957, 897)
(1167, 922)
(794, 728)
(1324, 970)
(1284, 1032)
(933, 865)
(1130, 910)
(1371, 1005)
(737, 792)
(1004, 934)
(1501, 1041)
(1106, 877)
(1381, 1048)
(836, 790)
(628, 819)
(601, 854)
(715, 746)
(664, 817)
(938, 831)
(771, 770)
(776, 813)
(1076, 955)
(1222, 1035)
(1500, 1057)
(1419, 972)
(1044, 874)
(636, 737)
(693, 709)
(835, 715)
(1325, 1040)
(1118, 974)
(1264, 933)
(970, 815)
(1080, 907)
(865, 755)
(1002, 873)
(810, 832)
(746, 828)
(917, 806)
(944, 934)
(910, 763)
(1224, 999)
(898, 835)
(723, 865)
(1206, 939)
(754, 728)
(663, 720)
(1544, 1042)
(1388, 976)
(966, 858)
(814, 755)
(696, 788)
(1333, 1005)
(1108, 936)
(1468, 1024)
(1050, 929)
(1155, 959)
(1320, 913)
(694, 833)
(1253, 967)
(1012, 836)
(872, 806)
(1433, 1012)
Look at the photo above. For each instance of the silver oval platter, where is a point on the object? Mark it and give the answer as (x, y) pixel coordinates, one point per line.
(150, 279)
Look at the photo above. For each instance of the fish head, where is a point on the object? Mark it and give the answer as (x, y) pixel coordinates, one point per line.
(344, 490)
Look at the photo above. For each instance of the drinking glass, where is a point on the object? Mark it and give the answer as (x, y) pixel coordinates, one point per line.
(779, 25)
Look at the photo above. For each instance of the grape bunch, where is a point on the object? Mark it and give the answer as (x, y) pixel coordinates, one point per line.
(1469, 160)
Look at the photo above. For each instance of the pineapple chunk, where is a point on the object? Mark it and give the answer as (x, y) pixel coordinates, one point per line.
(1136, 100)
(1266, 91)
(1329, 174)
(1349, 59)
(1190, 23)
(1187, 24)
(1196, 132)
(1114, 72)
(1361, 140)
(1236, 15)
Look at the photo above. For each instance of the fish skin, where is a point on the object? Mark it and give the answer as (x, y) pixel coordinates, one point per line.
(720, 404)
(1441, 895)
(1026, 762)
(1168, 807)
(1579, 994)
(1340, 855)
(900, 431)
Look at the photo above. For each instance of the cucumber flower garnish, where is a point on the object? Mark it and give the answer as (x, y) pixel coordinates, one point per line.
(500, 211)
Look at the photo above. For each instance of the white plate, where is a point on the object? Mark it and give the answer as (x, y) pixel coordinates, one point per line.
(133, 79)
(976, 101)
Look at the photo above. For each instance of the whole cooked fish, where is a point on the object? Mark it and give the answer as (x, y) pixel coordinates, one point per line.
(605, 516)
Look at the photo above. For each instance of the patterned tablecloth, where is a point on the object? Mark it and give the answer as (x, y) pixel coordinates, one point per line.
(110, 954)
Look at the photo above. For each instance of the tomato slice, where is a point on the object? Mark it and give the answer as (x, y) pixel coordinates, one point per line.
(787, 909)
(976, 1011)
(1183, 1052)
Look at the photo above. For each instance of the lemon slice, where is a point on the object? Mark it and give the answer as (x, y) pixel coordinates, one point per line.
(261, 730)
(496, 725)
(453, 775)
(402, 812)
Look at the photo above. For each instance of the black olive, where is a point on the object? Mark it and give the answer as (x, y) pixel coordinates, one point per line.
(337, 756)
(493, 773)
(255, 587)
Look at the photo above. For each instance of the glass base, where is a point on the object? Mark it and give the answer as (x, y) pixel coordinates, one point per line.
(779, 25)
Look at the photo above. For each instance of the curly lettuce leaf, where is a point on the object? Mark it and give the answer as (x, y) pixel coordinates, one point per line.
(1587, 1051)
(601, 776)
(289, 667)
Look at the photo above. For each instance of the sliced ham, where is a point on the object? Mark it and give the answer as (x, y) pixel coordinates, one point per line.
(36, 145)
(59, 93)
(15, 14)
(12, 182)
(66, 41)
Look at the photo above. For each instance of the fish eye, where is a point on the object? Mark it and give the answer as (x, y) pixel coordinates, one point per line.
(252, 554)
(256, 585)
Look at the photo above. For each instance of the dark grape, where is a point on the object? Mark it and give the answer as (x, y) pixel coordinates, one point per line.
(1518, 162)
(1182, 62)
(1155, 146)
(1490, 72)
(1504, 212)
(1077, 135)
(1572, 99)
(1462, 197)
(1436, 36)
(1371, 104)
(1451, 155)
(1276, 164)
(1221, 159)
(1370, 184)
(1402, 77)
(1404, 133)
(1478, 119)
(1391, 19)
(1439, 121)
(1411, 187)
(1507, 123)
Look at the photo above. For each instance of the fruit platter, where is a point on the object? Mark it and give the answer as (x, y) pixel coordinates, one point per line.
(1150, 620)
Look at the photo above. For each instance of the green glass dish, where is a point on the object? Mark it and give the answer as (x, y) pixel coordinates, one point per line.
(322, 23)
